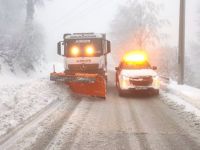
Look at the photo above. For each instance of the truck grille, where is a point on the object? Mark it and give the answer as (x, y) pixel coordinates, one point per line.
(83, 67)
(141, 81)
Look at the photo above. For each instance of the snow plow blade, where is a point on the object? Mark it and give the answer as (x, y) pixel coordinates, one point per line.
(85, 84)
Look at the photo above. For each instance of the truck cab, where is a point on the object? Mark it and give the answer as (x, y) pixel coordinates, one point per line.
(85, 53)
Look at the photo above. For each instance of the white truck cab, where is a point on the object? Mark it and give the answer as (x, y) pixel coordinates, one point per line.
(85, 53)
(136, 74)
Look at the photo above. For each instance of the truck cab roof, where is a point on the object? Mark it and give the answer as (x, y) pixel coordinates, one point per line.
(84, 36)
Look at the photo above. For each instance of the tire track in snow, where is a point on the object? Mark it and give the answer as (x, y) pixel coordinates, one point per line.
(69, 131)
(19, 131)
(115, 124)
(183, 127)
(53, 124)
(140, 135)
(122, 141)
(39, 135)
(96, 132)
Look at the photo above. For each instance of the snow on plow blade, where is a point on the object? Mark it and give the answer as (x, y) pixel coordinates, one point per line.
(86, 84)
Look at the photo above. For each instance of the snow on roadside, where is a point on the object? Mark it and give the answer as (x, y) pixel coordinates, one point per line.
(185, 100)
(18, 102)
(183, 95)
(186, 107)
(185, 110)
(189, 94)
(19, 77)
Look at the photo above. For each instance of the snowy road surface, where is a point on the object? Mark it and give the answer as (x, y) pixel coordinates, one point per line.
(73, 122)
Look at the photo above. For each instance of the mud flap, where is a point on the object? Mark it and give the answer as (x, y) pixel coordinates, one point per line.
(85, 84)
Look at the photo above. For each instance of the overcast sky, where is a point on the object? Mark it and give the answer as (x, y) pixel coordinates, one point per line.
(68, 16)
(62, 16)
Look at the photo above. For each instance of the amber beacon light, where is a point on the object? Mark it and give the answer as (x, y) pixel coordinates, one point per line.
(135, 56)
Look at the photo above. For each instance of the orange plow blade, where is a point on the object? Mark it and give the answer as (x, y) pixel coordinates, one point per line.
(85, 84)
(97, 88)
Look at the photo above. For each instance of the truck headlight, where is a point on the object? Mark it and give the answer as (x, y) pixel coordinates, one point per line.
(156, 82)
(90, 50)
(75, 51)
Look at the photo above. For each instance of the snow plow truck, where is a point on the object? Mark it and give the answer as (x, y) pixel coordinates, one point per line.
(85, 60)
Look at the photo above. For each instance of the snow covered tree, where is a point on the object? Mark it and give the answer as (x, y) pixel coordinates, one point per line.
(192, 54)
(21, 39)
(11, 20)
(29, 46)
(30, 8)
(11, 15)
(137, 25)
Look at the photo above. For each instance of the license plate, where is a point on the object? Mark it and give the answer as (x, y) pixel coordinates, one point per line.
(141, 88)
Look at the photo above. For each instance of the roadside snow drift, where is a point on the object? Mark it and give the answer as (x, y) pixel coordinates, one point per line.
(21, 101)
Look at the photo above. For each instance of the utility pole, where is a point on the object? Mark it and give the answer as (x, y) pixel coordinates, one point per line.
(181, 51)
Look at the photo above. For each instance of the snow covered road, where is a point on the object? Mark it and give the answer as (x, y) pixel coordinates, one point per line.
(67, 121)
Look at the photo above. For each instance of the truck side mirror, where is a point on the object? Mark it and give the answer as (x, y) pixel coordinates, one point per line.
(108, 47)
(59, 48)
(154, 68)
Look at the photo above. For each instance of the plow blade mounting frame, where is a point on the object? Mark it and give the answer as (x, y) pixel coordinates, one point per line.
(81, 83)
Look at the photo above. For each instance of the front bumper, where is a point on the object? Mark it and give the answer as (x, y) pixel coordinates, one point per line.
(125, 84)
(140, 88)
(140, 91)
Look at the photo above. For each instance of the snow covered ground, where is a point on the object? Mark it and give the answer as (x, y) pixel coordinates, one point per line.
(192, 95)
(52, 118)
(19, 102)
(22, 96)
(184, 96)
(39, 114)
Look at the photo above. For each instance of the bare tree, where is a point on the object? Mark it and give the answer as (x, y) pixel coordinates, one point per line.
(136, 26)
(30, 8)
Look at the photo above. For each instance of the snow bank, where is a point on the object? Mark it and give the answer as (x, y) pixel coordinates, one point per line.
(190, 94)
(23, 96)
(186, 96)
(19, 77)
(8, 78)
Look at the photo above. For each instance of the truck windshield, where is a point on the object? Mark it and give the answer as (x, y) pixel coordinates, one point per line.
(95, 45)
(144, 65)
